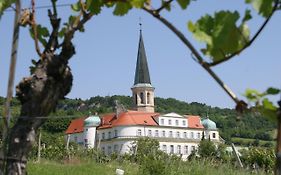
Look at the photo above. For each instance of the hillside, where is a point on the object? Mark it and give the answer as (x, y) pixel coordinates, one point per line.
(250, 125)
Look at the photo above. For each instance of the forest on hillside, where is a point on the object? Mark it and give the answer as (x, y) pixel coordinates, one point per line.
(246, 129)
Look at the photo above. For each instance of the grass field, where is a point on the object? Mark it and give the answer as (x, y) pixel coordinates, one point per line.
(91, 168)
(248, 141)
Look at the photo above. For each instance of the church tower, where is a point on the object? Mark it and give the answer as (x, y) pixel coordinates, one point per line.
(143, 92)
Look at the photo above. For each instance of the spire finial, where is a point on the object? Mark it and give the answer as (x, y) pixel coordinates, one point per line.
(140, 23)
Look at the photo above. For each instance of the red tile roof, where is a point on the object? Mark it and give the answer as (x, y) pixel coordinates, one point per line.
(194, 122)
(76, 126)
(128, 118)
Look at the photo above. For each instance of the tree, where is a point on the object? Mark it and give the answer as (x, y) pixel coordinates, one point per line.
(207, 148)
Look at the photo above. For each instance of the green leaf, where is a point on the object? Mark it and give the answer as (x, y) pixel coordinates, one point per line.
(220, 33)
(62, 32)
(122, 8)
(183, 3)
(253, 95)
(269, 110)
(138, 3)
(42, 32)
(272, 91)
(263, 7)
(76, 7)
(247, 16)
(4, 4)
(94, 6)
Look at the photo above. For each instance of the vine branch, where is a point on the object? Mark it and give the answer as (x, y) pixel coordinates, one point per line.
(164, 5)
(34, 28)
(196, 54)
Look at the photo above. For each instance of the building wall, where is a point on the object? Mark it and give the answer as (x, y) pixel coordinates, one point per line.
(120, 139)
(77, 138)
(89, 137)
(150, 131)
(172, 121)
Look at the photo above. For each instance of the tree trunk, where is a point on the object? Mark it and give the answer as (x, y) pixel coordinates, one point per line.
(38, 94)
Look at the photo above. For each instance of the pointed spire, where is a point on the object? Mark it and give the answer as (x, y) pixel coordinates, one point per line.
(142, 73)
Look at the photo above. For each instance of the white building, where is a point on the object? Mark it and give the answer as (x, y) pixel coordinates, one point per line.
(116, 132)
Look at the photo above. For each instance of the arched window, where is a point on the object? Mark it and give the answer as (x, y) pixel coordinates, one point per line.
(142, 98)
(136, 99)
(148, 98)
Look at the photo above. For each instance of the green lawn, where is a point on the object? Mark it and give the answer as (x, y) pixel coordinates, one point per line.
(91, 168)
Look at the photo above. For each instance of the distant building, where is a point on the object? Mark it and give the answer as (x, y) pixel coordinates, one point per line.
(115, 132)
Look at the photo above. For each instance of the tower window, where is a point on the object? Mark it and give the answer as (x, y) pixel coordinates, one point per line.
(136, 99)
(214, 135)
(148, 98)
(142, 98)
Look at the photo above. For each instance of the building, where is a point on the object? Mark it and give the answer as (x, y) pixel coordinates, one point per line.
(116, 132)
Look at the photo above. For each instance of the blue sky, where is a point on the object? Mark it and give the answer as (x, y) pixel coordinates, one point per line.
(106, 55)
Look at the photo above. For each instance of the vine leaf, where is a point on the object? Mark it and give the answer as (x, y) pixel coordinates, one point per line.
(42, 33)
(263, 7)
(94, 6)
(122, 8)
(4, 4)
(183, 3)
(221, 34)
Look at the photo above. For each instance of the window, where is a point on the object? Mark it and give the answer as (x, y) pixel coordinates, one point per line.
(109, 150)
(163, 133)
(148, 98)
(170, 122)
(115, 148)
(109, 135)
(136, 99)
(149, 133)
(177, 123)
(139, 132)
(142, 98)
(179, 149)
(162, 121)
(184, 135)
(156, 133)
(86, 141)
(164, 148)
(185, 150)
(115, 133)
(103, 136)
(75, 138)
(178, 134)
(170, 133)
(103, 150)
(192, 148)
(214, 135)
(198, 135)
(172, 149)
(183, 122)
(192, 135)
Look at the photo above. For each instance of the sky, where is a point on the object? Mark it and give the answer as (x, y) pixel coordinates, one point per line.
(106, 54)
